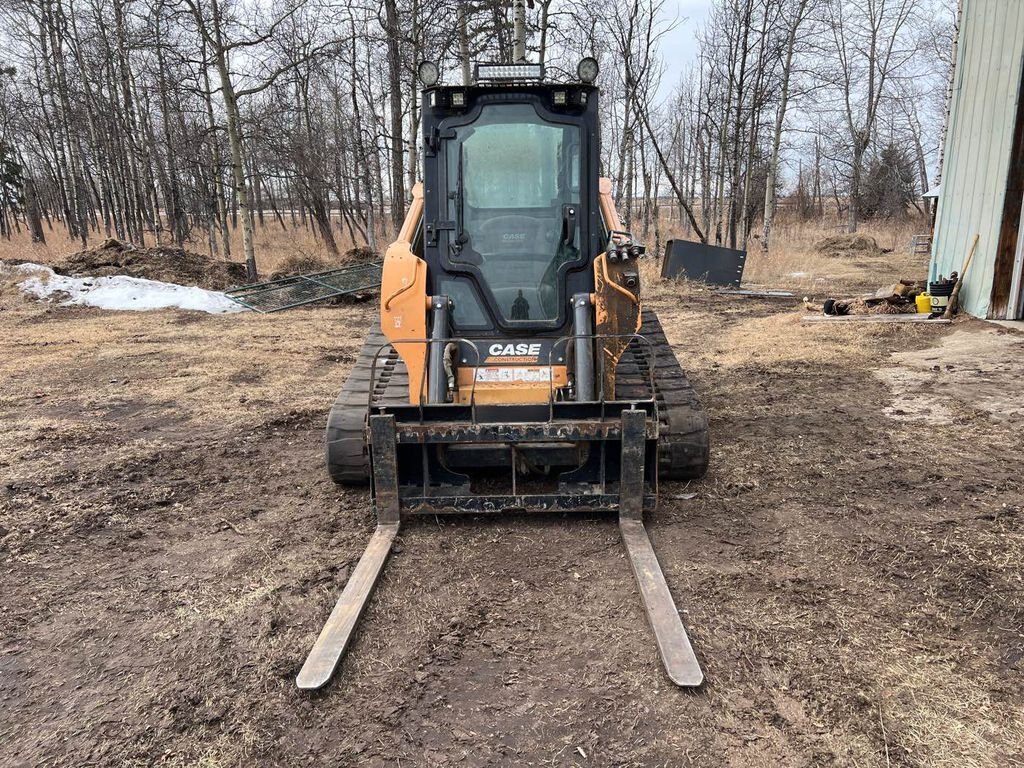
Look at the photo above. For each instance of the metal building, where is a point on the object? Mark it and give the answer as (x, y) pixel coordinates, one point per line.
(983, 161)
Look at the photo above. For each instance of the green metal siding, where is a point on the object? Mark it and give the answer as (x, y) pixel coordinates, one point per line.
(979, 140)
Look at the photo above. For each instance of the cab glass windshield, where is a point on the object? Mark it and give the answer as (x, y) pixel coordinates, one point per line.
(513, 194)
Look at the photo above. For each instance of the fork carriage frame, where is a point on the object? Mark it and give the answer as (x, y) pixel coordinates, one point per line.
(497, 434)
(408, 476)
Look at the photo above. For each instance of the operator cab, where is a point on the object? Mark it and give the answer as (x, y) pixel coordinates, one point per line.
(511, 221)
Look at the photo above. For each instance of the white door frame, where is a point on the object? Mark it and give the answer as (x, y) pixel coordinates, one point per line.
(1015, 304)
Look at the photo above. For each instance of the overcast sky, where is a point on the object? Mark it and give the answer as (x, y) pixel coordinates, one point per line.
(679, 47)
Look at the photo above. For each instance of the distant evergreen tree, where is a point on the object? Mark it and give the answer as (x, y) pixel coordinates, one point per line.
(12, 185)
(889, 186)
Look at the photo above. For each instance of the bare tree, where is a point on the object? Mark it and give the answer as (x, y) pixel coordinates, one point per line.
(871, 45)
(795, 14)
(180, 121)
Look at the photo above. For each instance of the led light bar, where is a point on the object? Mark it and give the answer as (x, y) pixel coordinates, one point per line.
(509, 72)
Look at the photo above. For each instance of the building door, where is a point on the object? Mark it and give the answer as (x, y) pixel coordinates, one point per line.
(1015, 307)
(1007, 278)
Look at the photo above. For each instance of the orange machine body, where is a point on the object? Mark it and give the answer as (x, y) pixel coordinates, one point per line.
(405, 304)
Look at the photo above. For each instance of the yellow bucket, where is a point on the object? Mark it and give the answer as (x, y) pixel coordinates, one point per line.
(924, 303)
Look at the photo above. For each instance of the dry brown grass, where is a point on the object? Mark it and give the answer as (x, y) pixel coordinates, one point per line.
(793, 262)
(275, 247)
(219, 363)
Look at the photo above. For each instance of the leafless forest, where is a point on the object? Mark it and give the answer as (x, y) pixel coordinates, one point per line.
(197, 122)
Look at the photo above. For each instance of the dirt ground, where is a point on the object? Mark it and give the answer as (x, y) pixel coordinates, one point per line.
(170, 545)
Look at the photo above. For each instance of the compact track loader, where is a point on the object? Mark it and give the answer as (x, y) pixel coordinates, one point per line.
(514, 367)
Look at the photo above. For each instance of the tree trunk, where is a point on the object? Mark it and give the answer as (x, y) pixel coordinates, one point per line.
(233, 121)
(35, 224)
(519, 27)
(414, 103)
(780, 118)
(220, 202)
(736, 148)
(467, 73)
(544, 12)
(853, 204)
(395, 88)
(818, 191)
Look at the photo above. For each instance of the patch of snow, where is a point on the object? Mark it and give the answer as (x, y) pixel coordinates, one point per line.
(26, 267)
(120, 292)
(798, 274)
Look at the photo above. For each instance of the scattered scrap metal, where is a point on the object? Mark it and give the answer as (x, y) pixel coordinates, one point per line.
(295, 291)
(751, 293)
(899, 302)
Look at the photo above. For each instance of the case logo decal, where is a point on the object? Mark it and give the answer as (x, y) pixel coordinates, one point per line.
(509, 350)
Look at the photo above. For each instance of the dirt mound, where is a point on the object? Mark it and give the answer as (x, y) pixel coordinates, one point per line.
(299, 265)
(165, 263)
(360, 254)
(848, 246)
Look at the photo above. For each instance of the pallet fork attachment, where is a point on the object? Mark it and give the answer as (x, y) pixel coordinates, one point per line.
(673, 643)
(334, 637)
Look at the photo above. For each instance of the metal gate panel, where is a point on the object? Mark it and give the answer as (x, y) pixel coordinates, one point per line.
(288, 292)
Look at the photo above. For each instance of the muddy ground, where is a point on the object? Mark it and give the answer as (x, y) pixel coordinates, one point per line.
(170, 545)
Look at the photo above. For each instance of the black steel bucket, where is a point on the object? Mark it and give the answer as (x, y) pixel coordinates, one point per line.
(940, 293)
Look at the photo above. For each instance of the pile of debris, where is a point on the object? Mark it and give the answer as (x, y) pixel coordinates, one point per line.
(896, 299)
(162, 263)
(849, 246)
(296, 265)
(306, 263)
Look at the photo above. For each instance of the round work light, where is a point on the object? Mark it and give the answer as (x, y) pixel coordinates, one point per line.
(428, 73)
(587, 69)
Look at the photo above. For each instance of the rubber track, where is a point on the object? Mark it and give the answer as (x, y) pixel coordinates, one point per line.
(348, 460)
(682, 445)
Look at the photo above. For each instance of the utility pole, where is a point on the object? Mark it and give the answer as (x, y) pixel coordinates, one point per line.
(519, 31)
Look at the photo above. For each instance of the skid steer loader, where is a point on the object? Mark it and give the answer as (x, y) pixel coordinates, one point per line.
(514, 367)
